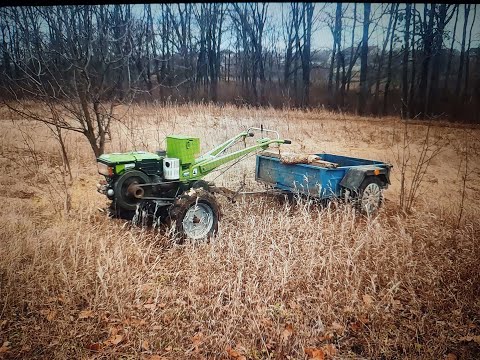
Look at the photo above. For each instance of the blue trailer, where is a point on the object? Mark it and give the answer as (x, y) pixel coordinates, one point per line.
(331, 176)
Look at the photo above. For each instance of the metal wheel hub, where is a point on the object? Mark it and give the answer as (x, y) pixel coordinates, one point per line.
(198, 221)
(371, 198)
(129, 188)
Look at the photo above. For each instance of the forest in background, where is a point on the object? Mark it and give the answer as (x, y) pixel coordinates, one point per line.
(87, 59)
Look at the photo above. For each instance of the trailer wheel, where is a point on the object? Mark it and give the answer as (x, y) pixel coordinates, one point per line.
(195, 215)
(370, 196)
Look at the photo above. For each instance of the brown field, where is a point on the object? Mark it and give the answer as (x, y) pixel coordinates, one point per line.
(280, 281)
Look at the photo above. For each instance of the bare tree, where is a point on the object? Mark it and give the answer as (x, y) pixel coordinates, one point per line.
(389, 63)
(462, 57)
(336, 30)
(82, 72)
(427, 50)
(467, 62)
(353, 55)
(339, 58)
(210, 20)
(289, 22)
(433, 93)
(363, 94)
(406, 48)
(411, 97)
(180, 19)
(450, 53)
(87, 60)
(251, 18)
(303, 35)
(381, 56)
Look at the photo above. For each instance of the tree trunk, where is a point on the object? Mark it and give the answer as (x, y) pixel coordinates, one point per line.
(338, 26)
(352, 61)
(330, 72)
(389, 66)
(5, 53)
(228, 67)
(467, 62)
(450, 54)
(437, 61)
(411, 103)
(427, 54)
(376, 105)
(462, 58)
(338, 16)
(306, 59)
(405, 102)
(362, 100)
(290, 26)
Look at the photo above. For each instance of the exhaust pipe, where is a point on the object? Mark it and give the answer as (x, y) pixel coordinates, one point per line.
(136, 191)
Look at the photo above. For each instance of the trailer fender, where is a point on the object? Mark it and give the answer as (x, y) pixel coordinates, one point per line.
(355, 176)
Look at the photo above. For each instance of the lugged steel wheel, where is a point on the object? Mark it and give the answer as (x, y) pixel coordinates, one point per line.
(195, 215)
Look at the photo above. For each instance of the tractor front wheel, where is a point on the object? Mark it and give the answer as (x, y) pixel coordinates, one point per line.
(195, 215)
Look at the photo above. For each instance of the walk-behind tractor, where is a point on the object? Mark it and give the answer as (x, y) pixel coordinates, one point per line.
(168, 186)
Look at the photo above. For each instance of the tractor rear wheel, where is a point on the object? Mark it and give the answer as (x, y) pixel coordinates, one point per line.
(195, 215)
(201, 184)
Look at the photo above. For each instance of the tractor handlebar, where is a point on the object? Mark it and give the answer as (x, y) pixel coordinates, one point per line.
(262, 130)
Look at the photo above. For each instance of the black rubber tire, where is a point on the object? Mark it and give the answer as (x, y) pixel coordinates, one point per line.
(286, 197)
(358, 199)
(201, 184)
(122, 199)
(183, 203)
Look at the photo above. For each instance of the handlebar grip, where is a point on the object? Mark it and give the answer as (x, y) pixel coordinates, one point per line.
(287, 141)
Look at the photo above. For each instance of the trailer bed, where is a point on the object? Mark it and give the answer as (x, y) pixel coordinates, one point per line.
(315, 180)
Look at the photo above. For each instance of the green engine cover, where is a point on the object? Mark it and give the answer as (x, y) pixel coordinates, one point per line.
(182, 147)
(133, 156)
(149, 163)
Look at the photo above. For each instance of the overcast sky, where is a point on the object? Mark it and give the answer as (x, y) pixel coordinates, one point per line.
(324, 12)
(322, 38)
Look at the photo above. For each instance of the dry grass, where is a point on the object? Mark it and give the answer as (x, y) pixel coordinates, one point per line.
(278, 279)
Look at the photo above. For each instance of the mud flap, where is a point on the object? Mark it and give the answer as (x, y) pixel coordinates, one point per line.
(355, 176)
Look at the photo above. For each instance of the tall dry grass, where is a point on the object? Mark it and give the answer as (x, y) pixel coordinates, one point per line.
(278, 279)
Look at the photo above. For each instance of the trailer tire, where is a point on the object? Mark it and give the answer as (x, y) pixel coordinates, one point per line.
(370, 196)
(194, 215)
